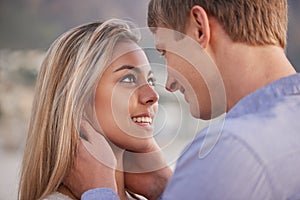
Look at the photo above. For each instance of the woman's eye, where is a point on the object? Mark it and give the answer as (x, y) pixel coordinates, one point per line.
(152, 81)
(130, 78)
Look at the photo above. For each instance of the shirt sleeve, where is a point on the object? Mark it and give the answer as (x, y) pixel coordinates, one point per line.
(231, 171)
(100, 194)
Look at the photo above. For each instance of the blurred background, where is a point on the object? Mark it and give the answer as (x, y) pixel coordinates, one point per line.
(28, 27)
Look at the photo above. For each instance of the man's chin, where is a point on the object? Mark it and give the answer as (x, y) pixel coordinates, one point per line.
(201, 115)
(195, 113)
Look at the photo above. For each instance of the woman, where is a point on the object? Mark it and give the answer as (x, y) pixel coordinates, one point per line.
(98, 73)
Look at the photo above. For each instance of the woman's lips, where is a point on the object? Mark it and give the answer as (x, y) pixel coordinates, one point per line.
(144, 120)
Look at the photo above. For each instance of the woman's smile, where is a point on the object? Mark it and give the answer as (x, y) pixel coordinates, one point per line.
(144, 120)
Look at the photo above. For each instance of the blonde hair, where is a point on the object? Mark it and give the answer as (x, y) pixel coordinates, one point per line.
(254, 22)
(64, 90)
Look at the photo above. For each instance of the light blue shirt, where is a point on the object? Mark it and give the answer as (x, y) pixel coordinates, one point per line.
(257, 156)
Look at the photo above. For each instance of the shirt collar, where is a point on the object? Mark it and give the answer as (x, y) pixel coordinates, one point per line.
(266, 97)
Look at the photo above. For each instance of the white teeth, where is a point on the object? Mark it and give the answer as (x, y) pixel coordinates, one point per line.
(142, 119)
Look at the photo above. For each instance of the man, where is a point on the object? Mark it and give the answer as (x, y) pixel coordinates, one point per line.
(256, 153)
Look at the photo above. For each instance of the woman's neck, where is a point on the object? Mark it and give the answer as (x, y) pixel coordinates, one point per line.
(65, 191)
(120, 174)
(119, 178)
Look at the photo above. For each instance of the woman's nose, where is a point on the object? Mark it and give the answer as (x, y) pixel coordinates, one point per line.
(148, 95)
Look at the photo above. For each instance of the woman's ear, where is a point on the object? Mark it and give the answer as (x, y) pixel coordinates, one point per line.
(200, 23)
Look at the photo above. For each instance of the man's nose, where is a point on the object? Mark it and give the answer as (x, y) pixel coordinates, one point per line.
(171, 84)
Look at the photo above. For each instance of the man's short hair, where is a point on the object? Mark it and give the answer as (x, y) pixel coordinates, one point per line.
(254, 22)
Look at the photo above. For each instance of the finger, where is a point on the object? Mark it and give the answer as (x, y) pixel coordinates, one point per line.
(96, 144)
(84, 129)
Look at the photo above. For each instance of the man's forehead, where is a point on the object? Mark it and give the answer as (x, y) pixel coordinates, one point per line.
(163, 36)
(163, 32)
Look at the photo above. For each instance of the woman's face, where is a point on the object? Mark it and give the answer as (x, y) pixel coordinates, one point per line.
(125, 99)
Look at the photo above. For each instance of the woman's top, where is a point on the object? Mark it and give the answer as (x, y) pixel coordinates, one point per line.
(57, 196)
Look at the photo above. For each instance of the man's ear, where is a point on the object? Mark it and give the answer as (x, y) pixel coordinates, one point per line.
(200, 23)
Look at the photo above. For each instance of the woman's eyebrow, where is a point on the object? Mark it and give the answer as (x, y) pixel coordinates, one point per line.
(123, 67)
(130, 67)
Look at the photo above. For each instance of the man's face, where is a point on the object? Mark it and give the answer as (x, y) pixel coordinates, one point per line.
(188, 69)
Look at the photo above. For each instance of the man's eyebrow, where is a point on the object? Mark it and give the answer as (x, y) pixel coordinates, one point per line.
(159, 47)
(150, 73)
(123, 67)
(153, 29)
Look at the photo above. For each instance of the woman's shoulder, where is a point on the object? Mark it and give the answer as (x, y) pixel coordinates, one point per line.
(57, 196)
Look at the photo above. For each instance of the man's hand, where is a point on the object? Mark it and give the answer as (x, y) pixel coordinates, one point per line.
(146, 174)
(95, 163)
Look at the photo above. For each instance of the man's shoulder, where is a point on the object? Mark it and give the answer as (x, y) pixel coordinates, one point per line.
(268, 136)
(256, 148)
(228, 164)
(278, 121)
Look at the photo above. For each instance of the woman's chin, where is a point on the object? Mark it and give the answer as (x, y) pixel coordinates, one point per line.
(142, 147)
